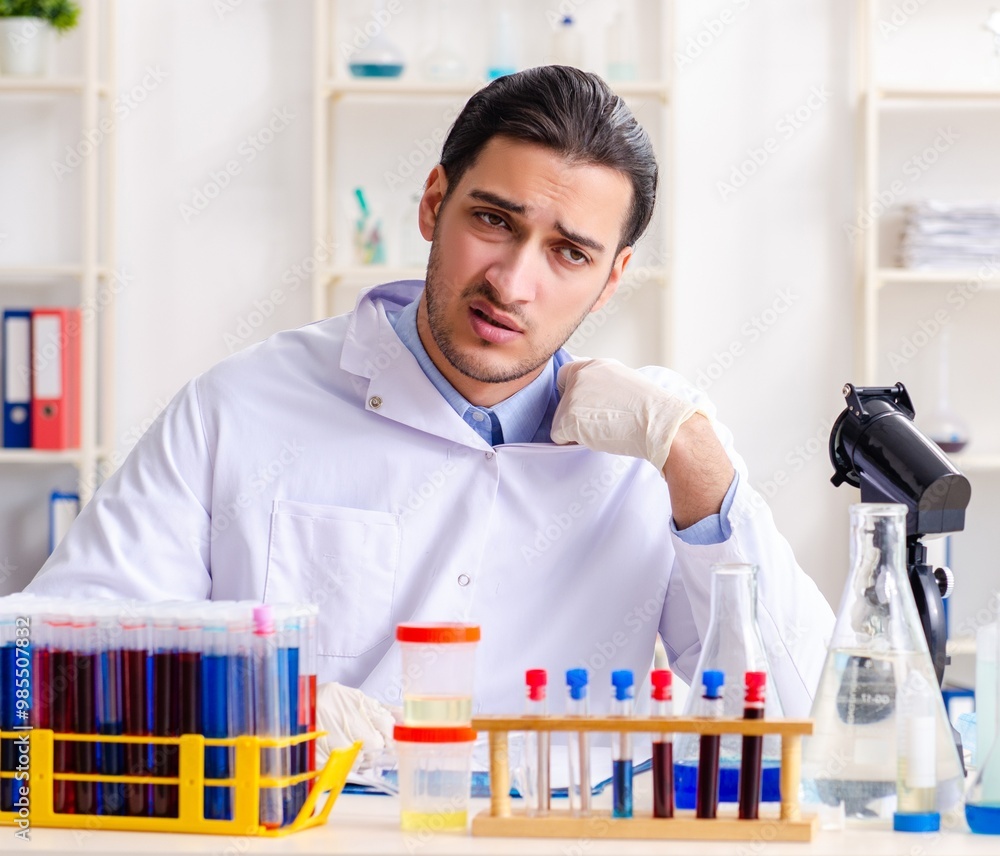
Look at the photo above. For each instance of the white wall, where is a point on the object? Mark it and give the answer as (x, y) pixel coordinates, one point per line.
(776, 243)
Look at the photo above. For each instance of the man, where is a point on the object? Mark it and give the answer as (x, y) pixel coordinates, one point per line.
(436, 456)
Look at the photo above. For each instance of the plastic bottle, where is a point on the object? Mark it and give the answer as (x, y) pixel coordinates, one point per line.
(623, 43)
(502, 59)
(566, 43)
(916, 782)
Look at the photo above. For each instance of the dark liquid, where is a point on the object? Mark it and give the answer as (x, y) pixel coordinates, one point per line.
(166, 721)
(708, 776)
(111, 756)
(86, 753)
(8, 719)
(135, 721)
(215, 671)
(750, 769)
(621, 787)
(663, 779)
(63, 692)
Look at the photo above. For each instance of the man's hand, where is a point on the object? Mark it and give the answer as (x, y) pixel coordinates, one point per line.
(609, 407)
(347, 714)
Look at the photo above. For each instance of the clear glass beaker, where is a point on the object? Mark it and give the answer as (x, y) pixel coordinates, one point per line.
(851, 759)
(982, 803)
(732, 645)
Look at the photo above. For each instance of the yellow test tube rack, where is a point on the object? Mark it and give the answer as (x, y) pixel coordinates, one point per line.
(500, 819)
(245, 782)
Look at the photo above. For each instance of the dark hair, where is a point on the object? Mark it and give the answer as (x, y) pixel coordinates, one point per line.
(568, 110)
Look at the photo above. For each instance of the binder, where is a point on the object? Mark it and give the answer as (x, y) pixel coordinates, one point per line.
(63, 510)
(55, 378)
(17, 378)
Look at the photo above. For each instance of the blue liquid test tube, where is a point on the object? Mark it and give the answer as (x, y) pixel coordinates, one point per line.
(109, 706)
(271, 697)
(578, 744)
(621, 745)
(215, 713)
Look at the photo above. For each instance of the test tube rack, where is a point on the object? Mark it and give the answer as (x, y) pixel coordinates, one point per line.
(191, 782)
(501, 820)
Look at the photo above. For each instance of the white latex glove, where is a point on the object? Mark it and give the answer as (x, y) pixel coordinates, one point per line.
(347, 714)
(609, 407)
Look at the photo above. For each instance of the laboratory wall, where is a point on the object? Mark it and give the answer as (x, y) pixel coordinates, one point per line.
(764, 148)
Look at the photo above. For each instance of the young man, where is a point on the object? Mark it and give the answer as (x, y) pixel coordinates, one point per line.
(436, 456)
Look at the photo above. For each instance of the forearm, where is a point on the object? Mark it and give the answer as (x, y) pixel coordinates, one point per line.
(698, 472)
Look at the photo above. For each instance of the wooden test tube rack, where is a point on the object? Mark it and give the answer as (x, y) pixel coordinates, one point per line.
(502, 821)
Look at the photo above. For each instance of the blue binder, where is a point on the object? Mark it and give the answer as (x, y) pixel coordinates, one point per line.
(17, 378)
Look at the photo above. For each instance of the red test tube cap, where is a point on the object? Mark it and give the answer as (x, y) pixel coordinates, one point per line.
(755, 682)
(662, 681)
(536, 679)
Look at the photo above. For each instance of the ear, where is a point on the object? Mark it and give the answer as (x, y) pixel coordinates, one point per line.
(614, 279)
(430, 203)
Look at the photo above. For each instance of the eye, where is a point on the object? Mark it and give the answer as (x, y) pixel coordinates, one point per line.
(491, 218)
(574, 256)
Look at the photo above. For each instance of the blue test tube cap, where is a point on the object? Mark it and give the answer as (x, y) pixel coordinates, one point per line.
(576, 680)
(622, 680)
(713, 679)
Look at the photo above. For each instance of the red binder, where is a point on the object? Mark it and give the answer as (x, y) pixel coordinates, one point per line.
(55, 378)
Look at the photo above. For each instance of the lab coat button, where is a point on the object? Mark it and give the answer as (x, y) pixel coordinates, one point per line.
(374, 402)
(489, 456)
(463, 579)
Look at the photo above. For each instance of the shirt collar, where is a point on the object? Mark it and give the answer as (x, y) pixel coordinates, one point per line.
(524, 417)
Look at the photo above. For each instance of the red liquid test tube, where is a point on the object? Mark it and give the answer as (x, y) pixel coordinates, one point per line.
(663, 746)
(753, 748)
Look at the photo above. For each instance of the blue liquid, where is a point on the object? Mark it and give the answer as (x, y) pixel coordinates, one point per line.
(376, 69)
(215, 718)
(8, 714)
(621, 788)
(984, 819)
(686, 783)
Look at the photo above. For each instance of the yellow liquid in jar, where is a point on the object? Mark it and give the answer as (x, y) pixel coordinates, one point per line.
(437, 710)
(435, 821)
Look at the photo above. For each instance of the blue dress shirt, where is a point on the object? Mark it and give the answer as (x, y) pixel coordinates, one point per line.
(526, 417)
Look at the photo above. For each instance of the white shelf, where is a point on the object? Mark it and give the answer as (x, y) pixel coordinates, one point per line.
(904, 97)
(38, 272)
(404, 88)
(50, 85)
(891, 276)
(35, 456)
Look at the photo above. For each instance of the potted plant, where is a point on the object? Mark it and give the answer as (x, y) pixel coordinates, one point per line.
(26, 28)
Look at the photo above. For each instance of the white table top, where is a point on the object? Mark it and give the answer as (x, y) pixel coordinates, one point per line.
(370, 825)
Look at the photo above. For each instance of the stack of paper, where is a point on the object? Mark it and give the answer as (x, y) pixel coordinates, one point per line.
(951, 235)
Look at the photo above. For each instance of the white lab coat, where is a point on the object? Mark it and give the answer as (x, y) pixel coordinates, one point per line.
(323, 465)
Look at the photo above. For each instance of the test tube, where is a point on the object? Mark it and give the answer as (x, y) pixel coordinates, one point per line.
(136, 648)
(215, 712)
(62, 707)
(707, 799)
(271, 697)
(663, 747)
(753, 747)
(578, 744)
(109, 705)
(166, 707)
(311, 666)
(537, 745)
(287, 631)
(621, 745)
(8, 704)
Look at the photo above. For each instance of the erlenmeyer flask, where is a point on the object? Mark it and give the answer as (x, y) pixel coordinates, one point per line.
(851, 758)
(982, 803)
(733, 646)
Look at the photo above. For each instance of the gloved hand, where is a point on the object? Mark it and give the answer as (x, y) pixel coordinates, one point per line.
(609, 407)
(347, 714)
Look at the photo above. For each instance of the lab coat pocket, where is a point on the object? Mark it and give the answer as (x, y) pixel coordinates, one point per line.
(344, 560)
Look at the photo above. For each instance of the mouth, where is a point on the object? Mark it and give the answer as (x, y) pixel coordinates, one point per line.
(487, 313)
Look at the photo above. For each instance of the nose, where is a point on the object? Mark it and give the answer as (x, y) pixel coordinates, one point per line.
(514, 275)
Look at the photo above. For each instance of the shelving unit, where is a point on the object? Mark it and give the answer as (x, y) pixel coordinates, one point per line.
(97, 261)
(335, 285)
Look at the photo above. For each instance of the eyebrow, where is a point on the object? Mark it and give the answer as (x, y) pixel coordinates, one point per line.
(520, 209)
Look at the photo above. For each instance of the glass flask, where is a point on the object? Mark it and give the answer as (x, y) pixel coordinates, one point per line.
(851, 760)
(982, 803)
(733, 646)
(445, 61)
(379, 56)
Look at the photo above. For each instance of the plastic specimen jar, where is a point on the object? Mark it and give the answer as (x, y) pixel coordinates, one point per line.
(438, 669)
(434, 777)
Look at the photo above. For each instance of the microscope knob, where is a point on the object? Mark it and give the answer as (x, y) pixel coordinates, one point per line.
(945, 580)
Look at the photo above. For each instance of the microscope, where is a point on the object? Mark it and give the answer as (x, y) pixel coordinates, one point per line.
(875, 446)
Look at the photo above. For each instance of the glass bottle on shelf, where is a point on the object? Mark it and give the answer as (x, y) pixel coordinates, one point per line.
(502, 57)
(850, 762)
(982, 802)
(623, 43)
(944, 426)
(380, 56)
(445, 61)
(732, 645)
